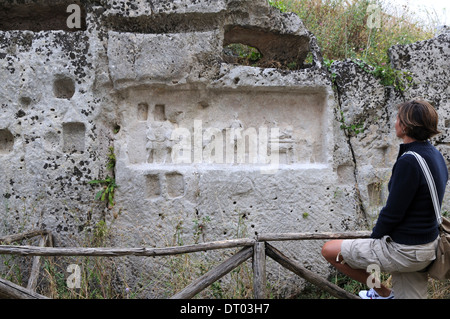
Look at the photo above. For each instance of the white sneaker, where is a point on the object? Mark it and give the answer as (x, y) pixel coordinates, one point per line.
(372, 294)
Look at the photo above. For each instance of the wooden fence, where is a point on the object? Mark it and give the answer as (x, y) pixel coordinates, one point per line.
(257, 249)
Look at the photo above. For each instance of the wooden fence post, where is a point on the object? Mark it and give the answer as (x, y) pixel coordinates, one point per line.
(34, 274)
(259, 270)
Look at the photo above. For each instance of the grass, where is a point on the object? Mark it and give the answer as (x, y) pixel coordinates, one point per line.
(360, 30)
(132, 277)
(110, 278)
(436, 289)
(348, 29)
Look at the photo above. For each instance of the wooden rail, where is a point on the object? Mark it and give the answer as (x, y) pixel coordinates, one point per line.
(313, 236)
(9, 290)
(257, 249)
(116, 252)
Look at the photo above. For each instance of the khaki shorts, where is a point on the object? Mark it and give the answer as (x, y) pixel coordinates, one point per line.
(405, 262)
(390, 256)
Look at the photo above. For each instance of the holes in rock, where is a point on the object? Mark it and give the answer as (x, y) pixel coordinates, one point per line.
(265, 49)
(25, 101)
(63, 87)
(175, 184)
(142, 111)
(153, 186)
(160, 113)
(41, 16)
(74, 137)
(203, 104)
(20, 113)
(6, 141)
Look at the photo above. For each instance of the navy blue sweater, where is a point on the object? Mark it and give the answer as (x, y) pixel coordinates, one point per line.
(408, 216)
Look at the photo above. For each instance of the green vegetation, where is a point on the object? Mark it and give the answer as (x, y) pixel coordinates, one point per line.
(245, 52)
(352, 129)
(109, 183)
(98, 275)
(107, 192)
(360, 30)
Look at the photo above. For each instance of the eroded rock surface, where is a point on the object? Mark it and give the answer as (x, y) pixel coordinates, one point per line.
(238, 149)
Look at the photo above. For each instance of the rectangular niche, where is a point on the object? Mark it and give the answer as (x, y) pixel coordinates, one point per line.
(63, 87)
(153, 186)
(160, 113)
(142, 112)
(74, 135)
(175, 184)
(6, 141)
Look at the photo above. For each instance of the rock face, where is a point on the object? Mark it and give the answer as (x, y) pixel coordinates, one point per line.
(205, 149)
(363, 99)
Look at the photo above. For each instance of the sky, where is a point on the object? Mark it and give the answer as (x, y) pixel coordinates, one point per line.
(438, 10)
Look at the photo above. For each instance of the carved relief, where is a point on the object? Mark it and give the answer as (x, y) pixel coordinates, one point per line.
(239, 128)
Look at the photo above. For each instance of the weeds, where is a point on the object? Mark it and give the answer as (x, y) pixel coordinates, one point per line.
(199, 227)
(108, 184)
(388, 76)
(353, 128)
(13, 271)
(99, 276)
(111, 164)
(436, 289)
(244, 53)
(360, 30)
(181, 270)
(341, 28)
(107, 192)
(343, 31)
